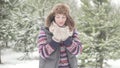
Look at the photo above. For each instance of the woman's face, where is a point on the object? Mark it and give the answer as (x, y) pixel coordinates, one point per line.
(60, 19)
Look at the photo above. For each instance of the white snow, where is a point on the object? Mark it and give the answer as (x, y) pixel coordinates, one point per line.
(114, 63)
(10, 60)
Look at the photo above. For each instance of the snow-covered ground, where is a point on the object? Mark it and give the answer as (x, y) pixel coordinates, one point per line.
(114, 63)
(10, 60)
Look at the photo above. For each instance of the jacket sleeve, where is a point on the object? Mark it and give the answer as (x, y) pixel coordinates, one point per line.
(73, 44)
(45, 48)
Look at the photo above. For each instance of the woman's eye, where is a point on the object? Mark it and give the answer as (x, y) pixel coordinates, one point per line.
(57, 17)
(63, 17)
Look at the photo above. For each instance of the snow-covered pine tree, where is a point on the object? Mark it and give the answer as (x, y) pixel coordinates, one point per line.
(100, 32)
(27, 17)
(6, 27)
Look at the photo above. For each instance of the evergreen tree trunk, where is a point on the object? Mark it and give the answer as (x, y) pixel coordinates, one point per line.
(96, 65)
(100, 2)
(6, 44)
(101, 61)
(82, 65)
(0, 57)
(43, 15)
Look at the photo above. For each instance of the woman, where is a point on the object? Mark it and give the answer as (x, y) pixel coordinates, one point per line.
(58, 41)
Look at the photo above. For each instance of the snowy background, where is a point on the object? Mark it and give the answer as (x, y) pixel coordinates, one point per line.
(11, 60)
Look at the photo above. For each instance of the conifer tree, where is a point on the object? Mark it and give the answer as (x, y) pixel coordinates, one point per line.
(100, 34)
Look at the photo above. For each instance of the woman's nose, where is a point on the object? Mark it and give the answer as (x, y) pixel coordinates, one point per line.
(61, 19)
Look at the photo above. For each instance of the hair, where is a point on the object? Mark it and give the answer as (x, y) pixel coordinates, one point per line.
(61, 9)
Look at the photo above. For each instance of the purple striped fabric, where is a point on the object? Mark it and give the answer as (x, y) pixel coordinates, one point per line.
(46, 50)
(63, 63)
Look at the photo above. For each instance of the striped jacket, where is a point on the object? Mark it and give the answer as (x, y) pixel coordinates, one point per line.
(58, 55)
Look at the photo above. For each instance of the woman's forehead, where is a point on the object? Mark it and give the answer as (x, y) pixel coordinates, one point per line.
(60, 14)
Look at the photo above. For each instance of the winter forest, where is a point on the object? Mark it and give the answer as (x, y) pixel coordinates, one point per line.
(98, 23)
